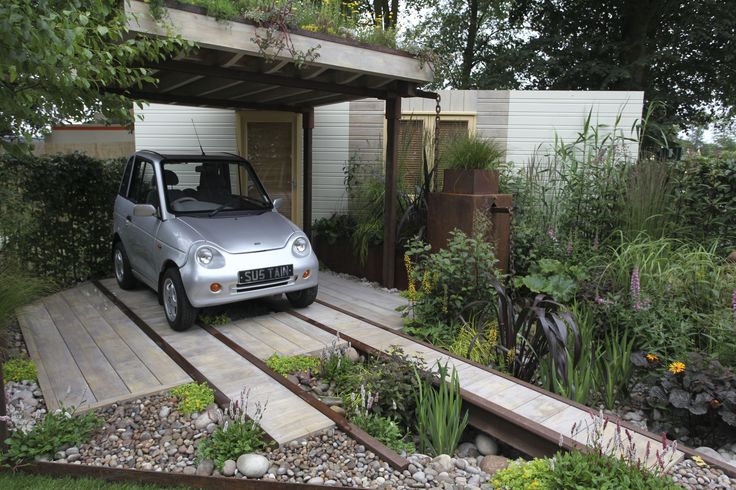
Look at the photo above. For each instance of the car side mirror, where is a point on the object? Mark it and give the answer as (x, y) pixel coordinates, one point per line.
(144, 210)
(278, 202)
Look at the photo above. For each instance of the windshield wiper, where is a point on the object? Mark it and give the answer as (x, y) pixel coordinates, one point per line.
(217, 210)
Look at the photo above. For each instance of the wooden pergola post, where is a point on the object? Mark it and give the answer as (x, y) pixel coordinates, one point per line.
(308, 126)
(393, 115)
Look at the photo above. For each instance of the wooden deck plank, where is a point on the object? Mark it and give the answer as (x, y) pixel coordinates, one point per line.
(303, 343)
(384, 316)
(365, 292)
(68, 387)
(317, 334)
(281, 345)
(541, 408)
(166, 371)
(253, 344)
(134, 373)
(101, 377)
(44, 382)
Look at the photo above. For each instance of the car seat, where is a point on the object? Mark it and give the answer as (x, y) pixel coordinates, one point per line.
(214, 185)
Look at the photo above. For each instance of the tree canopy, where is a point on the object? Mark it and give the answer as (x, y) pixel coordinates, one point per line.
(58, 58)
(681, 53)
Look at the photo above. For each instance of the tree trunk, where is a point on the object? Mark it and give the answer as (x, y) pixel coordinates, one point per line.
(639, 25)
(3, 401)
(469, 51)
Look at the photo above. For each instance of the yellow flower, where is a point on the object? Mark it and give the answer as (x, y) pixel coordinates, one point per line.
(426, 283)
(411, 288)
(652, 358)
(699, 461)
(676, 367)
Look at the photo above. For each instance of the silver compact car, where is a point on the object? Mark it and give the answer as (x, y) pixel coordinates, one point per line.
(202, 231)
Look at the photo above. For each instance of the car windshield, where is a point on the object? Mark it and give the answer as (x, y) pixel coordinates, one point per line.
(212, 187)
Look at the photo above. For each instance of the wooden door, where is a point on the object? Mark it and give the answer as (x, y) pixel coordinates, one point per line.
(270, 149)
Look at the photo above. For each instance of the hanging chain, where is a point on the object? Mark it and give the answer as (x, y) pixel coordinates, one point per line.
(437, 110)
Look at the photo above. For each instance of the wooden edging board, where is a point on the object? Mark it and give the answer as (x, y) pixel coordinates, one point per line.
(507, 415)
(160, 478)
(394, 459)
(221, 398)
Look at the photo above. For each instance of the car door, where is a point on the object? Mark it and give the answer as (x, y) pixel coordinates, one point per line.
(141, 230)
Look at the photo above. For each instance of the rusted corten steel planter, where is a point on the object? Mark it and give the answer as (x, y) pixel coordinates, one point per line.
(342, 257)
(466, 192)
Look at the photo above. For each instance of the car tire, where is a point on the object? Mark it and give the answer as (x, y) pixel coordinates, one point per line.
(303, 298)
(178, 310)
(121, 264)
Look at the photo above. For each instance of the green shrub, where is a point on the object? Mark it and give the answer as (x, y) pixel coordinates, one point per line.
(49, 434)
(524, 475)
(19, 369)
(231, 441)
(193, 397)
(56, 214)
(554, 278)
(439, 420)
(705, 202)
(484, 343)
(579, 470)
(443, 284)
(386, 430)
(336, 228)
(473, 152)
(285, 365)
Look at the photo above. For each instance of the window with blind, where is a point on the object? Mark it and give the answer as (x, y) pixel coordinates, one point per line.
(417, 134)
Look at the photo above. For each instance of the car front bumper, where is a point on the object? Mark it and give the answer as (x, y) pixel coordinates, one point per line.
(198, 279)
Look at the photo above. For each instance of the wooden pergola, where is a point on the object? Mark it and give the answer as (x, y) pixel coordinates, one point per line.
(228, 69)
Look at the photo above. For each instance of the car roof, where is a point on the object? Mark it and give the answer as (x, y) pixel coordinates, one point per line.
(213, 156)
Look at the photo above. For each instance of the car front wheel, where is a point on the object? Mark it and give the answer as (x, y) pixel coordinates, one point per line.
(303, 298)
(123, 274)
(179, 312)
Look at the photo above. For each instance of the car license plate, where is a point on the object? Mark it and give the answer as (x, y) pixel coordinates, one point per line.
(266, 274)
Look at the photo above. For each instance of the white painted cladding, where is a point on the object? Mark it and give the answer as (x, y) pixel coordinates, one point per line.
(535, 117)
(330, 138)
(168, 129)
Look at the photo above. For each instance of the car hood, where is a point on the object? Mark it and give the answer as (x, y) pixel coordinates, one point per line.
(253, 232)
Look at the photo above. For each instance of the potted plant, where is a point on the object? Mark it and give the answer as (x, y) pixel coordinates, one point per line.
(472, 166)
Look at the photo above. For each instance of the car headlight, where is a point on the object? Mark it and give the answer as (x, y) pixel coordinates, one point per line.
(300, 247)
(209, 257)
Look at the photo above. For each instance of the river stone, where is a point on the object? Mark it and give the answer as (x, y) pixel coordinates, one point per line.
(252, 465)
(352, 354)
(467, 450)
(338, 409)
(205, 467)
(492, 463)
(486, 445)
(203, 421)
(316, 481)
(443, 462)
(229, 467)
(707, 451)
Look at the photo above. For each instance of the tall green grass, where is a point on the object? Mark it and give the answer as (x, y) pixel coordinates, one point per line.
(473, 152)
(17, 288)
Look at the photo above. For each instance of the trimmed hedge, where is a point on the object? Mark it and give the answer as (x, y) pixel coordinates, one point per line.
(56, 214)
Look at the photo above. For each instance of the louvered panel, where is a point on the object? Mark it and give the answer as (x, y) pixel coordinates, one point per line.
(411, 136)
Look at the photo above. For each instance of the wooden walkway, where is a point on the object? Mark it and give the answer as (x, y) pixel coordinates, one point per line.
(526, 402)
(287, 417)
(89, 354)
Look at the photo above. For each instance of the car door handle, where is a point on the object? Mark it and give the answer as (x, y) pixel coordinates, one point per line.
(128, 219)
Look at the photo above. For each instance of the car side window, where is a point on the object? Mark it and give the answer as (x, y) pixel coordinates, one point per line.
(143, 185)
(124, 184)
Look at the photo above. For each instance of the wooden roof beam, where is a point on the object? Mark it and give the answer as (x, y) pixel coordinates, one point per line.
(219, 72)
(203, 101)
